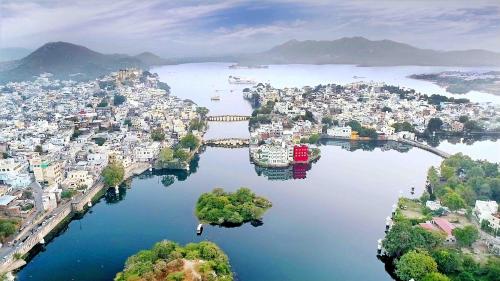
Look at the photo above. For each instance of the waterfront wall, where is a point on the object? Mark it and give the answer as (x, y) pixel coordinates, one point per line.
(58, 215)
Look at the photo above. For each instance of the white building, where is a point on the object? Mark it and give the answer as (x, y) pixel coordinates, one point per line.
(275, 155)
(340, 132)
(487, 211)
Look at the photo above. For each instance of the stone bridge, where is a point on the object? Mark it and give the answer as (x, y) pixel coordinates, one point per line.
(228, 142)
(228, 118)
(426, 147)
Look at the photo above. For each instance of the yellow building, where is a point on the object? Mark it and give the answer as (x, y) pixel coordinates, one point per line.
(47, 170)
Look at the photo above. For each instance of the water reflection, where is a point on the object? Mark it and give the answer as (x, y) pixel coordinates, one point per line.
(368, 145)
(470, 139)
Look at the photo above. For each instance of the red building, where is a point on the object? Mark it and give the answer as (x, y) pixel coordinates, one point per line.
(300, 153)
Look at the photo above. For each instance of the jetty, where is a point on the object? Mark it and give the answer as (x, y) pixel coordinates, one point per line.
(426, 147)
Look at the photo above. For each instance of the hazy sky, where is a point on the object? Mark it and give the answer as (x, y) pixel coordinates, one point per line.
(185, 28)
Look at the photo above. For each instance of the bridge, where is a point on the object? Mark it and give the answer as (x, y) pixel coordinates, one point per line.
(227, 142)
(228, 118)
(426, 147)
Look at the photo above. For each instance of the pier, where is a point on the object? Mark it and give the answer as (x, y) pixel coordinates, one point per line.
(227, 142)
(426, 147)
(228, 118)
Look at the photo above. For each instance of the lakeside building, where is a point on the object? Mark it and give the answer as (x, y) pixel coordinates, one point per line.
(487, 211)
(441, 225)
(344, 132)
(59, 135)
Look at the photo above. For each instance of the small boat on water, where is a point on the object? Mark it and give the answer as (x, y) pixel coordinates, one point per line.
(215, 98)
(199, 229)
(240, 80)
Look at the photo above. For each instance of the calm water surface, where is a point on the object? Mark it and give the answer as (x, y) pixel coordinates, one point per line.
(324, 227)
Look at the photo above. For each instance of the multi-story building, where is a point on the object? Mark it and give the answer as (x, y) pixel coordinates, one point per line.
(340, 132)
(47, 170)
(300, 153)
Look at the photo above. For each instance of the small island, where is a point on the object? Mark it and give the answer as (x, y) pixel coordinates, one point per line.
(458, 82)
(231, 208)
(169, 261)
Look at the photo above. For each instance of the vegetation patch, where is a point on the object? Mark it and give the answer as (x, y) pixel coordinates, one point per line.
(231, 208)
(167, 260)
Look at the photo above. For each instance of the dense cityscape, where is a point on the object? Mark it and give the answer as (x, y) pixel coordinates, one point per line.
(249, 140)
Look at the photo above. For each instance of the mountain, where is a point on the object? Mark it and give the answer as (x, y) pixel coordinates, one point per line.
(149, 58)
(66, 60)
(361, 51)
(8, 54)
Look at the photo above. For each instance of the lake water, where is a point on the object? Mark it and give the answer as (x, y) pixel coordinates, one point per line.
(323, 227)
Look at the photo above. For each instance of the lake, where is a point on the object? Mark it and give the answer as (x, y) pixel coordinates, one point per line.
(323, 227)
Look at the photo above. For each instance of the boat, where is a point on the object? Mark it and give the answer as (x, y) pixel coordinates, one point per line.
(240, 80)
(215, 98)
(199, 229)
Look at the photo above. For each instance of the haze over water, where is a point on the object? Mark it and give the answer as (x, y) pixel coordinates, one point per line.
(324, 227)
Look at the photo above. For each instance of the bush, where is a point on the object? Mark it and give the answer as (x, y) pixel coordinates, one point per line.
(466, 235)
(68, 193)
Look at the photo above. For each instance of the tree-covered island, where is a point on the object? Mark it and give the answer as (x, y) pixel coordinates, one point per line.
(169, 261)
(231, 208)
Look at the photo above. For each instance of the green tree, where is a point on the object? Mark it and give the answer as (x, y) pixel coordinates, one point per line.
(39, 149)
(386, 109)
(327, 120)
(415, 265)
(113, 174)
(166, 155)
(434, 124)
(189, 141)
(453, 200)
(68, 193)
(196, 124)
(435, 276)
(118, 99)
(181, 154)
(202, 111)
(314, 138)
(447, 171)
(103, 103)
(404, 126)
(7, 228)
(99, 141)
(403, 237)
(448, 261)
(472, 125)
(466, 236)
(157, 135)
(463, 119)
(127, 122)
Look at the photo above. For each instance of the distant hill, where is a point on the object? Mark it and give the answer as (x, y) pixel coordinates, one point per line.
(8, 54)
(361, 51)
(66, 60)
(149, 58)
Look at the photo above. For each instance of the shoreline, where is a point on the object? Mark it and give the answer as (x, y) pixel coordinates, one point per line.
(67, 214)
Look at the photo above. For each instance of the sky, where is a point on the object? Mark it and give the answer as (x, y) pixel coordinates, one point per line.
(200, 28)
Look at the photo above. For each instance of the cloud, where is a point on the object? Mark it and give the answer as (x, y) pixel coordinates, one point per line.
(174, 28)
